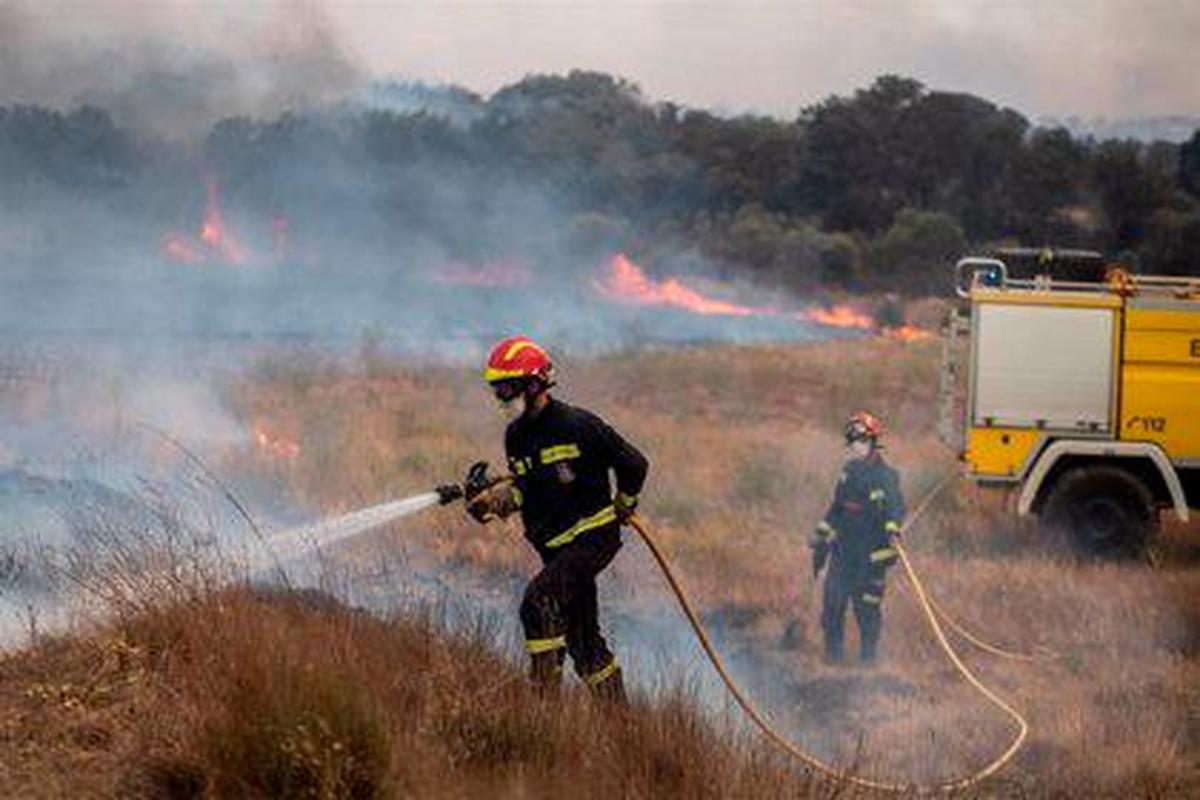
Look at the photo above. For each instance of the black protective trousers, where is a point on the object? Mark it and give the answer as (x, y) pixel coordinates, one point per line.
(865, 593)
(560, 611)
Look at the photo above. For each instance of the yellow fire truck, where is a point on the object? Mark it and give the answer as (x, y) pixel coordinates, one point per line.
(1081, 395)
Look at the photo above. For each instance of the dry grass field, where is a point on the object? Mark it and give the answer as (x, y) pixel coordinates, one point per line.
(234, 695)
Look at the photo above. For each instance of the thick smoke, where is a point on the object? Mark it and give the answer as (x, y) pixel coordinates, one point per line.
(172, 68)
(318, 227)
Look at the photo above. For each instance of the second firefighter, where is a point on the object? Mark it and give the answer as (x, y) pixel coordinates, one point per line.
(855, 538)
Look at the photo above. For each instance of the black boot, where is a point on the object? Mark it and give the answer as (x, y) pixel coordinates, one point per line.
(869, 627)
(834, 651)
(869, 651)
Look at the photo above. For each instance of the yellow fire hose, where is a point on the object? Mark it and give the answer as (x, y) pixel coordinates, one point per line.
(931, 615)
(1040, 653)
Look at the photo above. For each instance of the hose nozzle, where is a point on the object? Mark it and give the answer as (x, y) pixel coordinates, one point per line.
(478, 481)
(448, 493)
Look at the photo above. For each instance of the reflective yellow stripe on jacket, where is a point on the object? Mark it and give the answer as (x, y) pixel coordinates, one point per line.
(561, 452)
(882, 554)
(605, 516)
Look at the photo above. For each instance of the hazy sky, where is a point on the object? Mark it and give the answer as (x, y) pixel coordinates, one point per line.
(1055, 57)
(1116, 58)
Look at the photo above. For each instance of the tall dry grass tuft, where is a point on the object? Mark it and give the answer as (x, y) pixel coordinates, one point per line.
(277, 708)
(252, 694)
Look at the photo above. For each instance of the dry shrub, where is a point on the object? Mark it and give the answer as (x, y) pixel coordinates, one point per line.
(296, 732)
(252, 695)
(277, 703)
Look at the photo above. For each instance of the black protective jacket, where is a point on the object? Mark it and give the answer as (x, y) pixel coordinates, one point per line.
(560, 460)
(867, 510)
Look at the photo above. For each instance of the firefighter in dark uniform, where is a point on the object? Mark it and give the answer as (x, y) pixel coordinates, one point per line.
(560, 458)
(856, 539)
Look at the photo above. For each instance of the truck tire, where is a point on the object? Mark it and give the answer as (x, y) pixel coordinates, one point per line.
(1106, 510)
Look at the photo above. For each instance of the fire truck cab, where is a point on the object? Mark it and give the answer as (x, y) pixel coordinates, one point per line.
(1082, 393)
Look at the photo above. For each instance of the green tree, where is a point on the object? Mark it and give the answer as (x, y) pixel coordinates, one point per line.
(1172, 243)
(915, 254)
(1189, 165)
(897, 145)
(1050, 181)
(1129, 190)
(855, 173)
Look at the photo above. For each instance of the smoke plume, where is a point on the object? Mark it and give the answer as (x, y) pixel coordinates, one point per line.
(171, 68)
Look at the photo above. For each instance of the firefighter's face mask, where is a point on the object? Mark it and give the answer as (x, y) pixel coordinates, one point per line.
(507, 393)
(858, 448)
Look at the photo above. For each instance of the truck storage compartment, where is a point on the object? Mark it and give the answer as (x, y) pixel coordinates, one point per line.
(1044, 366)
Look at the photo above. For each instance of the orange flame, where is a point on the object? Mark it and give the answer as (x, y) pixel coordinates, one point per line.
(213, 243)
(273, 446)
(627, 283)
(840, 316)
(213, 232)
(906, 334)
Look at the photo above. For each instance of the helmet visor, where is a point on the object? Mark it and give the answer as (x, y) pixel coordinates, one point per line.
(509, 389)
(857, 432)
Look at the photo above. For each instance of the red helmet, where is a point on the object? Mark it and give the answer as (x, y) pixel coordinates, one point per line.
(517, 357)
(861, 426)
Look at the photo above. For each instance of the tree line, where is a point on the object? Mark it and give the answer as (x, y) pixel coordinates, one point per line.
(875, 190)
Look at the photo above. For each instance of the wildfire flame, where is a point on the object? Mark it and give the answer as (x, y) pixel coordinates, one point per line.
(272, 446)
(213, 232)
(841, 316)
(907, 333)
(626, 282)
(214, 242)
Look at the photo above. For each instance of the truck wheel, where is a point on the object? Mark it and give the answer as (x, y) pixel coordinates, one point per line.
(1107, 511)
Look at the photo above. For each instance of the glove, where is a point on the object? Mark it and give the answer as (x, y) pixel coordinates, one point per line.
(625, 505)
(819, 555)
(477, 481)
(480, 509)
(476, 492)
(498, 501)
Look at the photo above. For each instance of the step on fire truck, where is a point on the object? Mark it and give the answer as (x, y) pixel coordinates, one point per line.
(1082, 392)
